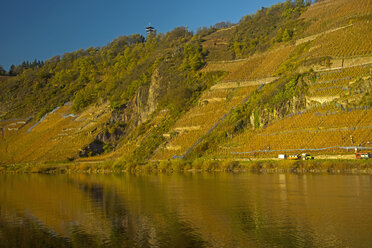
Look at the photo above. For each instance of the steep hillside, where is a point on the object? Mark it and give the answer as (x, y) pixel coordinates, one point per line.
(323, 110)
(58, 136)
(291, 78)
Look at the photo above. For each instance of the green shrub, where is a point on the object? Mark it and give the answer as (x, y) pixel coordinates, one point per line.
(178, 164)
(209, 165)
(229, 165)
(163, 165)
(197, 164)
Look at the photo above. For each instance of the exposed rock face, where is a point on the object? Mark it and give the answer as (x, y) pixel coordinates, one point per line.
(140, 105)
(359, 92)
(110, 137)
(127, 117)
(94, 148)
(265, 116)
(147, 99)
(122, 114)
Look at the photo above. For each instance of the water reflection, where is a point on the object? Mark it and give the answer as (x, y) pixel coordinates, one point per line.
(185, 210)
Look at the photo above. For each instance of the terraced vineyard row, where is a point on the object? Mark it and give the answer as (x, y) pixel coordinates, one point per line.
(330, 117)
(329, 91)
(272, 61)
(55, 138)
(260, 66)
(309, 130)
(351, 41)
(213, 105)
(247, 69)
(336, 82)
(330, 13)
(353, 72)
(228, 66)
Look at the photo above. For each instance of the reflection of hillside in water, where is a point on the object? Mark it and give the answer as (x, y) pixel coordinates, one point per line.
(189, 210)
(53, 203)
(226, 209)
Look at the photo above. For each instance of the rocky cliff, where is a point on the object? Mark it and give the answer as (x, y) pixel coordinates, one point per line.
(128, 116)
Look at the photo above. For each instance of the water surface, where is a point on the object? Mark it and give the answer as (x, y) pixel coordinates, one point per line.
(186, 210)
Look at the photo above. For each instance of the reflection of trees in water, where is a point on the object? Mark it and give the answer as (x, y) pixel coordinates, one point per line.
(28, 233)
(128, 204)
(258, 230)
(188, 210)
(53, 203)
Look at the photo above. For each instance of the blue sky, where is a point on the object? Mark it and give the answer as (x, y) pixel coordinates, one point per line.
(41, 29)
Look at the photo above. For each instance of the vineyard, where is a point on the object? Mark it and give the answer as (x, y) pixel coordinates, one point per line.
(355, 40)
(330, 14)
(244, 71)
(272, 62)
(319, 128)
(338, 82)
(332, 118)
(212, 106)
(58, 136)
(228, 66)
(324, 122)
(255, 67)
(262, 66)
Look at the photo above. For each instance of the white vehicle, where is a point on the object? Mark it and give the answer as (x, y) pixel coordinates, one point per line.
(282, 156)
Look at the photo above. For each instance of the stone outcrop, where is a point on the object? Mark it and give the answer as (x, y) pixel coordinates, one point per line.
(125, 118)
(147, 98)
(265, 116)
(94, 148)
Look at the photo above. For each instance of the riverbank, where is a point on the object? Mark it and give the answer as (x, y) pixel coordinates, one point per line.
(339, 166)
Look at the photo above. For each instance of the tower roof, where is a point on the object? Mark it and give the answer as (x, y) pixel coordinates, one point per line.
(149, 29)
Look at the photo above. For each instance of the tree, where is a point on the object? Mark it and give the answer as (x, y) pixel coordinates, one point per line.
(177, 36)
(300, 3)
(84, 97)
(12, 70)
(287, 35)
(135, 39)
(193, 56)
(2, 71)
(220, 25)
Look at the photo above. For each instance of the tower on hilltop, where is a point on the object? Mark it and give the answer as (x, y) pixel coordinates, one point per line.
(150, 29)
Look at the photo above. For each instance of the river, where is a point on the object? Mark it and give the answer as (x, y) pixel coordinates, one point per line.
(186, 210)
